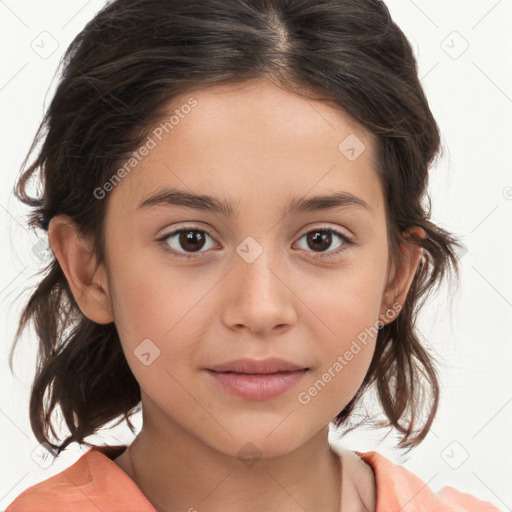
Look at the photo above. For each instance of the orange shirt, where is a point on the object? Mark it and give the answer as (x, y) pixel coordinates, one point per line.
(96, 483)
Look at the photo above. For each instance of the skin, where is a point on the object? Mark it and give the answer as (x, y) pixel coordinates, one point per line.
(257, 146)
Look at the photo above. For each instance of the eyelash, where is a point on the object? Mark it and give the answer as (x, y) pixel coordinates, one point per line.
(347, 242)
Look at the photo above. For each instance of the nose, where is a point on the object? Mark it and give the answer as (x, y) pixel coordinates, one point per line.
(259, 294)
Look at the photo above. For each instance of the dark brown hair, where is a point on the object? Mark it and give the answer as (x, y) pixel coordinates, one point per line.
(119, 74)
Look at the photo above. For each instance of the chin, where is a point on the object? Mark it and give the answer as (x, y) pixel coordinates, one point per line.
(255, 444)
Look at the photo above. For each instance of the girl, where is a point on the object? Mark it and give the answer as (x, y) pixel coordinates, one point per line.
(290, 142)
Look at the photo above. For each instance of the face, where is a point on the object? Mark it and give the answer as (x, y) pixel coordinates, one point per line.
(257, 278)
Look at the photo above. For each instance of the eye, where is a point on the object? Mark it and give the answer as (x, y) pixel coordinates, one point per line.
(190, 239)
(322, 238)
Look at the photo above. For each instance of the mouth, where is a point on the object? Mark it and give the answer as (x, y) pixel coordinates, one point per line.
(268, 366)
(257, 386)
(261, 373)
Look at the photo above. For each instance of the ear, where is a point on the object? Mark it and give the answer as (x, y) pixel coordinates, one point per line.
(402, 276)
(76, 258)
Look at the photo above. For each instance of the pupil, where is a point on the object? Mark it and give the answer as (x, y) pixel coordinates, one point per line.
(189, 239)
(324, 237)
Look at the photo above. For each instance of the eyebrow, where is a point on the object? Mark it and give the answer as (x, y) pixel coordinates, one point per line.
(208, 203)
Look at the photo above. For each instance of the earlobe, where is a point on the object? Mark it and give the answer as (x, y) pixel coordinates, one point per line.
(403, 274)
(77, 260)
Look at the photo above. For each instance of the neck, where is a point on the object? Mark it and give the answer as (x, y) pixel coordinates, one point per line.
(177, 477)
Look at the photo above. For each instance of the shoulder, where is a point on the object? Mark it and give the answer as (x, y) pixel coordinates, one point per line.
(93, 482)
(358, 484)
(60, 488)
(400, 489)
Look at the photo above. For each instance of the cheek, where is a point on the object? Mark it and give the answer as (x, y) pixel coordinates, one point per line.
(346, 302)
(151, 302)
(145, 295)
(168, 307)
(344, 357)
(345, 324)
(155, 322)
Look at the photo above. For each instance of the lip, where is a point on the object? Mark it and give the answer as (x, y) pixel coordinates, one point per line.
(257, 380)
(257, 386)
(254, 366)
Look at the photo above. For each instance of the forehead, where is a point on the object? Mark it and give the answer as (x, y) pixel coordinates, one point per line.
(257, 141)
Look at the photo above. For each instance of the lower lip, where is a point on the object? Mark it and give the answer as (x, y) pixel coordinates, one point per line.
(257, 386)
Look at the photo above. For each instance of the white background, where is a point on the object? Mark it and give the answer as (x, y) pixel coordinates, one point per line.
(470, 94)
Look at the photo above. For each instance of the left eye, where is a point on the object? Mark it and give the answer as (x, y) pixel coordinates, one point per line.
(323, 238)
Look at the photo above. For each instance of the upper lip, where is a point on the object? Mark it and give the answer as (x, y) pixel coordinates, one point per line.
(270, 365)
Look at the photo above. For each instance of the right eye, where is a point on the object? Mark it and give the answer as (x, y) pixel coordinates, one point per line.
(190, 238)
